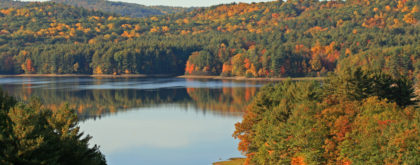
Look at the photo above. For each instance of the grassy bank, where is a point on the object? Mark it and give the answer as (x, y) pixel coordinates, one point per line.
(231, 161)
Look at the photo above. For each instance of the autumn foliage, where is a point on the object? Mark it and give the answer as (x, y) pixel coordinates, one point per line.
(270, 39)
(350, 119)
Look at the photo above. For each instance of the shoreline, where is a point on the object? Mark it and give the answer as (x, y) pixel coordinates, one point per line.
(231, 161)
(87, 75)
(163, 75)
(250, 79)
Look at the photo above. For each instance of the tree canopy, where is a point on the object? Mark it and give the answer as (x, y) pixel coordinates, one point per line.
(353, 117)
(120, 8)
(32, 134)
(271, 39)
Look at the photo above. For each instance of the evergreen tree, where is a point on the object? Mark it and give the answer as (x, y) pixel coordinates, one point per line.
(32, 134)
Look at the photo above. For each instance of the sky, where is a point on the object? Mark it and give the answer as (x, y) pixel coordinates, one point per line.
(183, 3)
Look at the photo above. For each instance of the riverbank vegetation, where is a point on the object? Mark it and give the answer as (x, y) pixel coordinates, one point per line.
(355, 116)
(32, 134)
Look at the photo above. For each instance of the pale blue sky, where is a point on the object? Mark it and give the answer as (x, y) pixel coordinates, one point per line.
(184, 3)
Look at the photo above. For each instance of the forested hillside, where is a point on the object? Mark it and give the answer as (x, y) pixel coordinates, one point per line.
(273, 39)
(120, 8)
(11, 3)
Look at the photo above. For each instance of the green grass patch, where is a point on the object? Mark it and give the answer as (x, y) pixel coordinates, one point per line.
(231, 161)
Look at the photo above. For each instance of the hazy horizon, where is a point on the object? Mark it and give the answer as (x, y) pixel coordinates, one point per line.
(182, 3)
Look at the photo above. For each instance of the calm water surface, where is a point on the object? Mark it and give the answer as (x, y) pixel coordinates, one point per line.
(149, 121)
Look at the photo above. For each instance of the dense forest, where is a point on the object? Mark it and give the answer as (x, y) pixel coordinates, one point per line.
(272, 39)
(120, 8)
(123, 8)
(11, 3)
(33, 134)
(356, 116)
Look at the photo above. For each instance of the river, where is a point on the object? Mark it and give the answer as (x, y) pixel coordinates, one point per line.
(148, 121)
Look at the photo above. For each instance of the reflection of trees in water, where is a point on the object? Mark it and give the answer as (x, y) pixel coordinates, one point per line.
(100, 102)
(96, 103)
(232, 101)
(227, 100)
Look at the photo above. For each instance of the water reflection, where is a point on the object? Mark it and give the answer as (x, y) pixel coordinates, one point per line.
(149, 121)
(165, 134)
(94, 98)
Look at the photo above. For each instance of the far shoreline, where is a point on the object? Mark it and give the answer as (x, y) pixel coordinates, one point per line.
(87, 75)
(251, 78)
(166, 75)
